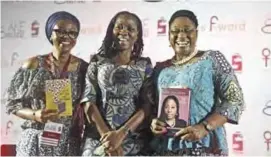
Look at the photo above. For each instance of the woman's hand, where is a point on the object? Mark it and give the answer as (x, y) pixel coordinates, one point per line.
(158, 127)
(192, 133)
(113, 139)
(44, 115)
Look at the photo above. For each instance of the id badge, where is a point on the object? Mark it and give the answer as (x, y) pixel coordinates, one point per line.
(51, 134)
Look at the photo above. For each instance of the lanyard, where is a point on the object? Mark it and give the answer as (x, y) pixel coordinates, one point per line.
(57, 73)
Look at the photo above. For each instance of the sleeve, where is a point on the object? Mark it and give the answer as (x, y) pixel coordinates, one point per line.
(149, 69)
(18, 90)
(91, 83)
(145, 93)
(230, 102)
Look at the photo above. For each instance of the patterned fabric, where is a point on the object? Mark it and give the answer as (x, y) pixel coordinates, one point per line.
(115, 90)
(214, 89)
(27, 90)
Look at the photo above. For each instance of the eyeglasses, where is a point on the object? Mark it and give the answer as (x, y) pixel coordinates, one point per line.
(62, 33)
(184, 30)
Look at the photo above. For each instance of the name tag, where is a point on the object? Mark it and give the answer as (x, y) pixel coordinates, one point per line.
(51, 134)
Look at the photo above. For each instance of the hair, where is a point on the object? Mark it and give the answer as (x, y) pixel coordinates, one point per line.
(172, 97)
(184, 13)
(109, 50)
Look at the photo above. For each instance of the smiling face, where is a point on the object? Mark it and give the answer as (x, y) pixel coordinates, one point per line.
(125, 31)
(183, 36)
(64, 35)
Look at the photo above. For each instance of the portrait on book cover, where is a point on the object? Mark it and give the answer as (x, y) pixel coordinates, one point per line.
(170, 112)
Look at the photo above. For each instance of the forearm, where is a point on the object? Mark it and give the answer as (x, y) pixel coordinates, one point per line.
(94, 116)
(26, 113)
(216, 120)
(136, 120)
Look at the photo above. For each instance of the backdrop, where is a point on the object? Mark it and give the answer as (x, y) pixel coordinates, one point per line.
(240, 30)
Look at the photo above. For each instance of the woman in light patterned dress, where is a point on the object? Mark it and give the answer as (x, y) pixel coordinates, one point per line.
(216, 96)
(26, 94)
(111, 98)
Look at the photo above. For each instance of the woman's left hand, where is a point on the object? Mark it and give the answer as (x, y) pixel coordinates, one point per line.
(192, 133)
(112, 139)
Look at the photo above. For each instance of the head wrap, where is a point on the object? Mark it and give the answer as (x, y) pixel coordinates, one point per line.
(54, 18)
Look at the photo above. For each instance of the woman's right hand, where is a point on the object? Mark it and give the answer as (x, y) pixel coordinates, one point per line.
(158, 127)
(43, 115)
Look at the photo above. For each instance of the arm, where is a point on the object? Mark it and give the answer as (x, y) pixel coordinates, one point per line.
(227, 108)
(17, 104)
(89, 98)
(144, 107)
(231, 103)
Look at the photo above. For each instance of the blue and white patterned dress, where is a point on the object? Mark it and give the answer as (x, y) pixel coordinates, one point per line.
(115, 90)
(214, 89)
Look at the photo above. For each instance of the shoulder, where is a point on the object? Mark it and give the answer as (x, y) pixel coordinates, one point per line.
(146, 61)
(215, 54)
(163, 64)
(31, 63)
(78, 59)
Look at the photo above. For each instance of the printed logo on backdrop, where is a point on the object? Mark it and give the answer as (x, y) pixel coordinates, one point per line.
(145, 23)
(266, 28)
(237, 63)
(266, 53)
(267, 108)
(69, 1)
(15, 29)
(162, 27)
(91, 29)
(12, 60)
(267, 139)
(237, 143)
(35, 26)
(218, 24)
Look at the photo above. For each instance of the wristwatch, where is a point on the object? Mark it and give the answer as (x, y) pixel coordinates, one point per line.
(207, 126)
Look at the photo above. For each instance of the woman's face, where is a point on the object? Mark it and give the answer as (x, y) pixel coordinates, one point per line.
(125, 31)
(183, 35)
(64, 35)
(171, 109)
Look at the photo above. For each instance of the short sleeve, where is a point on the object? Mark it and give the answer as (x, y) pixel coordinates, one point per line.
(91, 83)
(149, 68)
(231, 103)
(18, 90)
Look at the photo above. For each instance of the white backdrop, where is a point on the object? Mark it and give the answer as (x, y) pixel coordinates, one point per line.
(240, 30)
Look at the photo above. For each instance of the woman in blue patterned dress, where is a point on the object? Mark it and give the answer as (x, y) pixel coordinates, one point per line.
(115, 76)
(26, 94)
(216, 96)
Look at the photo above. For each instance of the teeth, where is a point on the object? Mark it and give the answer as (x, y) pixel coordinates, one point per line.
(180, 43)
(122, 39)
(65, 42)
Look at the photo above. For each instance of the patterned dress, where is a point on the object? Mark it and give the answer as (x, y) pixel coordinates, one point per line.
(27, 90)
(214, 89)
(115, 90)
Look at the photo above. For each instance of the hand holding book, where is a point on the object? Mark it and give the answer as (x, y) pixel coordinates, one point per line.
(44, 115)
(192, 133)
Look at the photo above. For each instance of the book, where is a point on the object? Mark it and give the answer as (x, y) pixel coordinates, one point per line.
(59, 96)
(174, 108)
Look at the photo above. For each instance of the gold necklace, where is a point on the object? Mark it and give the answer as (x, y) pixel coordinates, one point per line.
(182, 61)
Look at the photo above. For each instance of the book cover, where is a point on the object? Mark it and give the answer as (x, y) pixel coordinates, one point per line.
(59, 96)
(174, 108)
